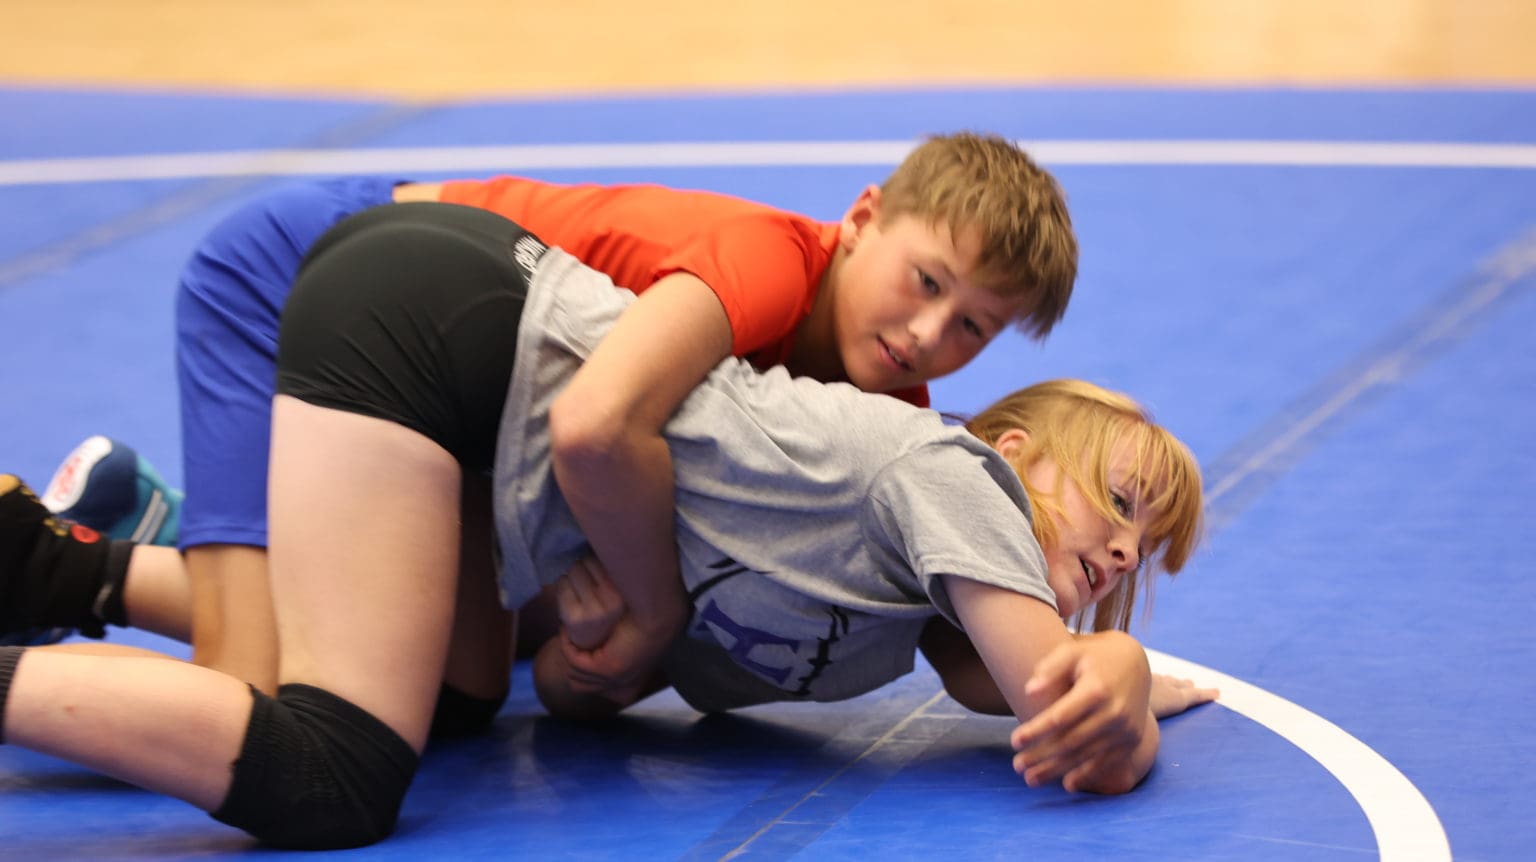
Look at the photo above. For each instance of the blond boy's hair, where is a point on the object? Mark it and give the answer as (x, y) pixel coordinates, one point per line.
(1078, 425)
(986, 183)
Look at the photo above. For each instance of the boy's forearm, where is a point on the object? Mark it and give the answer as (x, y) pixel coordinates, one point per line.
(628, 521)
(606, 448)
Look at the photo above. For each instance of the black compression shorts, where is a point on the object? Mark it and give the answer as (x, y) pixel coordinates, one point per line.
(409, 313)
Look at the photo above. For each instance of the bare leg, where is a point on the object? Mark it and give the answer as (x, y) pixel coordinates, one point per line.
(157, 594)
(367, 618)
(233, 627)
(167, 726)
(219, 599)
(364, 551)
(480, 652)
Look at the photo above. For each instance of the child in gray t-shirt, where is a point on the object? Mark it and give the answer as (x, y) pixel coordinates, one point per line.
(826, 534)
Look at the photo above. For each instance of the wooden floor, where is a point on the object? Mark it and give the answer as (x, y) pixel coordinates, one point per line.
(466, 48)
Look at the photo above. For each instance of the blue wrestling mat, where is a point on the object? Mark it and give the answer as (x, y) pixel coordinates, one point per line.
(1329, 295)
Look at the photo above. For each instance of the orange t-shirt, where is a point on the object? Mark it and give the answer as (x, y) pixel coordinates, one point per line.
(765, 264)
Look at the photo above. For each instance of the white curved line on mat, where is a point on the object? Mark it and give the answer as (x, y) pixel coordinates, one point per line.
(516, 158)
(1405, 825)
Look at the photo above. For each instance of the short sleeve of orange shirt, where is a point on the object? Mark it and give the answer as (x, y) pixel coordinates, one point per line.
(764, 264)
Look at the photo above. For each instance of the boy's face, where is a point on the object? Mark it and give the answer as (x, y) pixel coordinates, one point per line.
(907, 308)
(1091, 552)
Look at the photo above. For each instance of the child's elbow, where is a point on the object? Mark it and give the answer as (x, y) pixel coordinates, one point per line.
(581, 432)
(979, 696)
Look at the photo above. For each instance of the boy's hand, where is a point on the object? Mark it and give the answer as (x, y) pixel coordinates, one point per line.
(619, 666)
(1171, 695)
(603, 648)
(1095, 733)
(588, 604)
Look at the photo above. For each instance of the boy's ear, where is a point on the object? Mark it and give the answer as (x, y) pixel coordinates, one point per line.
(864, 211)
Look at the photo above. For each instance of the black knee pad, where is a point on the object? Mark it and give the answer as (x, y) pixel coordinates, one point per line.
(459, 714)
(317, 773)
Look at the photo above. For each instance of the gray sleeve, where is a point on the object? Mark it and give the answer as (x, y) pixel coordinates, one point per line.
(947, 509)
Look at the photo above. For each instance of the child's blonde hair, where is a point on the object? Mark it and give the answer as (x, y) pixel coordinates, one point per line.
(989, 184)
(1078, 425)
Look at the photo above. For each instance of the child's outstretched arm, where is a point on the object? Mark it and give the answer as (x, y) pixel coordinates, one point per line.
(966, 679)
(1082, 701)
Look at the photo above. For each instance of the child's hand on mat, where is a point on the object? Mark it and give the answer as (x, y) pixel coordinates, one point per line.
(1171, 695)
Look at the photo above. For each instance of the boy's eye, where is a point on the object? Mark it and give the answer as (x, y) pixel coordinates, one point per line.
(1122, 505)
(972, 328)
(930, 286)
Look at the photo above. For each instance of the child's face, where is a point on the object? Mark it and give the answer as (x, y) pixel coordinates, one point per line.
(907, 308)
(1091, 552)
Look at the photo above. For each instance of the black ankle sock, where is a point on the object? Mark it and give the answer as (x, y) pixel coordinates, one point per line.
(8, 658)
(53, 573)
(77, 584)
(109, 606)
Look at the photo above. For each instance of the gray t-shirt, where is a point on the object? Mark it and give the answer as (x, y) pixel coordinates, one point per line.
(812, 518)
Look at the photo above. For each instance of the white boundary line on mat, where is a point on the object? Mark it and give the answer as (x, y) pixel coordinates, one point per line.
(1405, 824)
(517, 158)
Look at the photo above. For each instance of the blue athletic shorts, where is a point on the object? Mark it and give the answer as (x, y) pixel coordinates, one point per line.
(227, 311)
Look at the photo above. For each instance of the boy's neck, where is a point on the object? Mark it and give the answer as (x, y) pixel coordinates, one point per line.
(813, 351)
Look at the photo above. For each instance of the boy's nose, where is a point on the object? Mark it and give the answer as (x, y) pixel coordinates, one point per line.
(927, 327)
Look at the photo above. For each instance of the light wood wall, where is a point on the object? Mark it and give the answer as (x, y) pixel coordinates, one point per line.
(431, 49)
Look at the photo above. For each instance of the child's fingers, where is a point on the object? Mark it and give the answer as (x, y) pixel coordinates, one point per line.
(1039, 767)
(1039, 774)
(1073, 781)
(1053, 758)
(566, 600)
(597, 573)
(1081, 700)
(583, 668)
(1198, 696)
(1185, 693)
(1081, 727)
(602, 587)
(579, 580)
(1193, 692)
(1055, 670)
(1096, 773)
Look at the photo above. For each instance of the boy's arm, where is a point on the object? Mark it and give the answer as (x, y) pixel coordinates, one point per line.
(1082, 701)
(614, 468)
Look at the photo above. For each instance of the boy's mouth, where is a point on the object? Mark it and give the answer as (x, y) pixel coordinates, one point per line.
(894, 357)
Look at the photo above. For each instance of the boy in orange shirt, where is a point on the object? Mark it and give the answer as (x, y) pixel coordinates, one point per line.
(965, 238)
